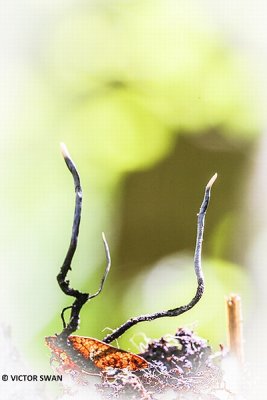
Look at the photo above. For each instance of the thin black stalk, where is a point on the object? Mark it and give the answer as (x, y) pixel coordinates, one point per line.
(198, 271)
(64, 284)
(66, 266)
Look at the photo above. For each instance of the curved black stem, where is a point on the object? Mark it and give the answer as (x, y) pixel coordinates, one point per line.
(198, 271)
(64, 284)
(62, 315)
(66, 267)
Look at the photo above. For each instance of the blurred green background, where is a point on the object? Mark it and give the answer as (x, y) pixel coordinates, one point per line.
(151, 99)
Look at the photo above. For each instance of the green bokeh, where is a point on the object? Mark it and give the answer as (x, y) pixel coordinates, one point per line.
(119, 82)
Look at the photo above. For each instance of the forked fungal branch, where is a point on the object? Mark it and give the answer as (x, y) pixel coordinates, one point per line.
(80, 298)
(198, 271)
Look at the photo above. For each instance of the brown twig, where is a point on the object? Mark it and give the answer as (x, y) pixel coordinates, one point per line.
(234, 327)
(198, 271)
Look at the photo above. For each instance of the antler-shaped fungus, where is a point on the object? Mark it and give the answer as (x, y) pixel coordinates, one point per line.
(82, 298)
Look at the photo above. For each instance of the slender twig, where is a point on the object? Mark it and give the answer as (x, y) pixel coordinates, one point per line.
(80, 298)
(198, 271)
(234, 325)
